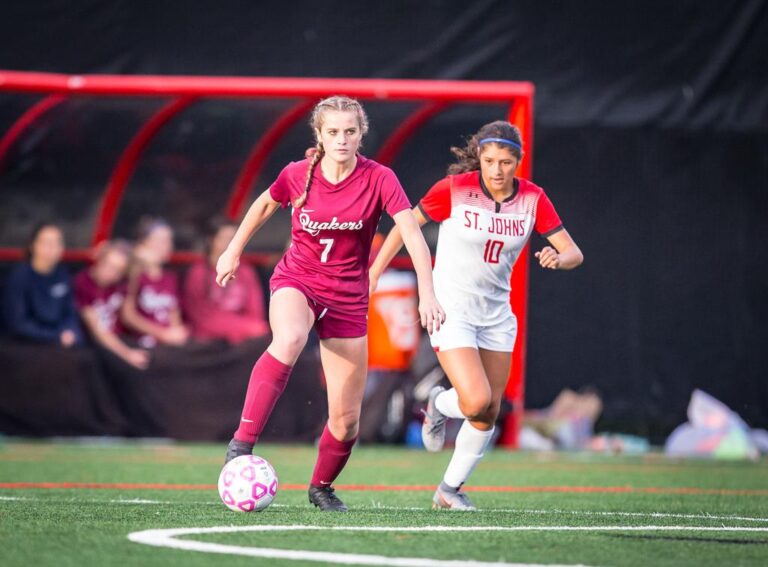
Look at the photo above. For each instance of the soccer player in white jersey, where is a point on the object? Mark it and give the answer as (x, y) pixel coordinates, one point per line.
(486, 216)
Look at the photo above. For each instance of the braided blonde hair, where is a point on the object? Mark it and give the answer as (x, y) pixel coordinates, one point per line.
(338, 103)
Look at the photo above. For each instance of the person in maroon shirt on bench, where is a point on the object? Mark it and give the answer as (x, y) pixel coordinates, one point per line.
(235, 312)
(99, 295)
(152, 307)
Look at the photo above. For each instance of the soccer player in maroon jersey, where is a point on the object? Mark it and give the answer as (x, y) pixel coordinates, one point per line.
(486, 216)
(337, 198)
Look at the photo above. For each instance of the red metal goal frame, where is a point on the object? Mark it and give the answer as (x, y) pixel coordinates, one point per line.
(184, 91)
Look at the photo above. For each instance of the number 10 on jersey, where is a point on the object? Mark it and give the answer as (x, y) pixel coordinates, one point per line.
(492, 251)
(328, 243)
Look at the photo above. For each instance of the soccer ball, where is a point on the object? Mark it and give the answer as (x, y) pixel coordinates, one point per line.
(247, 484)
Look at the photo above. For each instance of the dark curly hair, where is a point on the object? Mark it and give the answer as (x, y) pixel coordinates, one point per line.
(468, 157)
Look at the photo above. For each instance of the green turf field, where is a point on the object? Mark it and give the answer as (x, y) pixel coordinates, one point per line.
(567, 509)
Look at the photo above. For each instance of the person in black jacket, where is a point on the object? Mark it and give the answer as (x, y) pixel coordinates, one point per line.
(39, 304)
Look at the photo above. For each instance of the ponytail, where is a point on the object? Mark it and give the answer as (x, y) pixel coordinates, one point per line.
(314, 155)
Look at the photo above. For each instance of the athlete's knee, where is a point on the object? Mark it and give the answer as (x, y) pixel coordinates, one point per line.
(344, 425)
(490, 415)
(289, 343)
(475, 405)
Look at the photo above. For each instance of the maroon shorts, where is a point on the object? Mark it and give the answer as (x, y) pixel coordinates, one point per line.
(330, 323)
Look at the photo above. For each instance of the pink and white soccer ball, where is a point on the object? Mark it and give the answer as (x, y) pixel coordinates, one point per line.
(247, 484)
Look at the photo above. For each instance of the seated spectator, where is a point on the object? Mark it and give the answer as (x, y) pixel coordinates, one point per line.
(151, 308)
(99, 295)
(235, 312)
(38, 295)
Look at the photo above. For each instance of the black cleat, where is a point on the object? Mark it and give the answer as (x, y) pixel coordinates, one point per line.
(324, 498)
(236, 449)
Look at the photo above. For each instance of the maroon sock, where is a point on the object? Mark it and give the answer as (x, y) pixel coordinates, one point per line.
(268, 379)
(332, 455)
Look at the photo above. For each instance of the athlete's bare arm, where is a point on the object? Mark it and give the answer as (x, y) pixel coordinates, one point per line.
(565, 255)
(432, 314)
(259, 212)
(392, 245)
(109, 340)
(131, 318)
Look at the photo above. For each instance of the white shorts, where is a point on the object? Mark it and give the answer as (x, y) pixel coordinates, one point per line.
(457, 333)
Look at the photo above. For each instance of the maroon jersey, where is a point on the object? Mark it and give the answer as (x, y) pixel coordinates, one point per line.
(331, 234)
(105, 301)
(157, 298)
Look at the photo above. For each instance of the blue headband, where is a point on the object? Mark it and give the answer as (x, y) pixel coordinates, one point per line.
(501, 141)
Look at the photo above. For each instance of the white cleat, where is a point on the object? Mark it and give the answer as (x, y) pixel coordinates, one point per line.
(444, 500)
(433, 428)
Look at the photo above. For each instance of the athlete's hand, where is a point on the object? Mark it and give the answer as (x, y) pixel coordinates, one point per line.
(67, 338)
(373, 282)
(548, 258)
(431, 313)
(176, 335)
(137, 357)
(226, 267)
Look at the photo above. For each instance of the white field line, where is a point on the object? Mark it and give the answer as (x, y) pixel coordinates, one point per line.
(167, 538)
(556, 511)
(375, 507)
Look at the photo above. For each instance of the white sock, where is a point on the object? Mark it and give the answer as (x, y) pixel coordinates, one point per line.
(470, 444)
(447, 403)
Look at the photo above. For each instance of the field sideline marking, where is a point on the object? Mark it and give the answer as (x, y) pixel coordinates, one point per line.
(554, 511)
(401, 488)
(167, 538)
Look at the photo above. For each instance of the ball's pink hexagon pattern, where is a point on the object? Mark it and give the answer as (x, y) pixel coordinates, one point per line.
(258, 490)
(246, 505)
(273, 487)
(228, 477)
(227, 498)
(248, 473)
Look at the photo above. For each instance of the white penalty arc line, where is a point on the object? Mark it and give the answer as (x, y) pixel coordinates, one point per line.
(167, 538)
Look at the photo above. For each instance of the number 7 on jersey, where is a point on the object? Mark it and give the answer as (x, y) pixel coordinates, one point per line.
(328, 242)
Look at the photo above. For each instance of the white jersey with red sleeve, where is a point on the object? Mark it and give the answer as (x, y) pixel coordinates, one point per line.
(479, 242)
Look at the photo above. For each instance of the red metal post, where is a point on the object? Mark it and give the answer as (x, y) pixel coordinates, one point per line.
(521, 114)
(259, 155)
(22, 124)
(265, 87)
(180, 257)
(391, 147)
(127, 164)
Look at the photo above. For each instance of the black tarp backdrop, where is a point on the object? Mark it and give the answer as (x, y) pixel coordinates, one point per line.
(651, 139)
